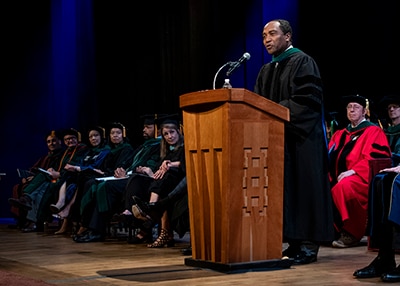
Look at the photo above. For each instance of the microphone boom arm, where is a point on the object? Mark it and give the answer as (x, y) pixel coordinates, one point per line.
(216, 74)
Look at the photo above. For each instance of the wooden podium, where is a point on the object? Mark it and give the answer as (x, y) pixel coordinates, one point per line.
(234, 148)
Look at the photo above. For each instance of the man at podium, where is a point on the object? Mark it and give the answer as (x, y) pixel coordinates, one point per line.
(293, 80)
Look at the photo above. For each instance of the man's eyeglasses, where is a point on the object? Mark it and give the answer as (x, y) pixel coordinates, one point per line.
(69, 138)
(354, 106)
(394, 106)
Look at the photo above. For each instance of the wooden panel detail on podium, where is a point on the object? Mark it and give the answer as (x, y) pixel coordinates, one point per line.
(234, 146)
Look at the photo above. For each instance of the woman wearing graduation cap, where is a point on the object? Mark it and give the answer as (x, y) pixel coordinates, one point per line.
(350, 150)
(169, 174)
(384, 205)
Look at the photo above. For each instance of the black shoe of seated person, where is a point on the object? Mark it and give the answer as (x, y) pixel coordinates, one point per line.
(78, 235)
(376, 268)
(30, 228)
(90, 236)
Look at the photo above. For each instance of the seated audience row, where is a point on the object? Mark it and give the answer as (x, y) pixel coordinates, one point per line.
(87, 185)
(104, 198)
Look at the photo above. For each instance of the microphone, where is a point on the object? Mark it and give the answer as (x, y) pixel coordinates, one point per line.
(235, 65)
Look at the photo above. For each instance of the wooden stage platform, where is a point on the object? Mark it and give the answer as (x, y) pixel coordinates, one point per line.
(58, 260)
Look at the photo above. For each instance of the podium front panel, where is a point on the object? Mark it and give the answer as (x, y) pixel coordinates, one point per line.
(234, 161)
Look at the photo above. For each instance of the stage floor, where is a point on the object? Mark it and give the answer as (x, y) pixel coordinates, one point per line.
(58, 260)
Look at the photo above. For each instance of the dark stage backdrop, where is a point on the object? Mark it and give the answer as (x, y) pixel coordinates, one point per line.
(77, 63)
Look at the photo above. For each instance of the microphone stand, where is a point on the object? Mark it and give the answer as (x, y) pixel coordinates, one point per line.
(215, 77)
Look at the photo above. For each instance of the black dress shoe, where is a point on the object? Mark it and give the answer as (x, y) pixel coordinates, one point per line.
(392, 276)
(303, 258)
(30, 228)
(376, 268)
(291, 251)
(76, 236)
(90, 236)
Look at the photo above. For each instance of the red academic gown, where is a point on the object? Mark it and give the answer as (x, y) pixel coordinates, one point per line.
(352, 148)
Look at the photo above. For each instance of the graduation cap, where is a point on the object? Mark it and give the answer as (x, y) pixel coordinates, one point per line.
(119, 126)
(168, 119)
(73, 132)
(355, 98)
(149, 119)
(389, 99)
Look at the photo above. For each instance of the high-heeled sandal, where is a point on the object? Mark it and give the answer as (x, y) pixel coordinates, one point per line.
(164, 239)
(139, 210)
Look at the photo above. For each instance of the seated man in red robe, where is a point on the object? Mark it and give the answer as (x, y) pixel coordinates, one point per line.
(350, 150)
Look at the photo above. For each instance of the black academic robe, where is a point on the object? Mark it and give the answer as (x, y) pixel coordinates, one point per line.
(295, 83)
(384, 200)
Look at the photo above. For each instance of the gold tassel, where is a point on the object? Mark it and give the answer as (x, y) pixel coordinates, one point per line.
(123, 131)
(155, 125)
(367, 108)
(380, 123)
